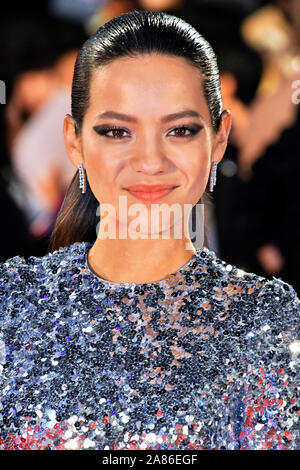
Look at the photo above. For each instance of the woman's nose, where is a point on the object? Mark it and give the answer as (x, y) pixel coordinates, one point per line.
(150, 155)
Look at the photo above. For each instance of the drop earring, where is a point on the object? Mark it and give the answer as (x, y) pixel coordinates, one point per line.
(82, 182)
(213, 176)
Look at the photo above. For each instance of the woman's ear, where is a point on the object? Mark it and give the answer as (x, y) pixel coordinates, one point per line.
(221, 136)
(72, 141)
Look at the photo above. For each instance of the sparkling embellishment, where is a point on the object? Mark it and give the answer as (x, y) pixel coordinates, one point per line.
(82, 183)
(213, 177)
(295, 347)
(207, 358)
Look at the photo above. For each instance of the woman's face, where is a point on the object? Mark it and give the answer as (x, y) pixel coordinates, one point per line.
(162, 135)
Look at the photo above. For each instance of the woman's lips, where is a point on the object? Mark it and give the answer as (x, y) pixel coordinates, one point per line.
(153, 195)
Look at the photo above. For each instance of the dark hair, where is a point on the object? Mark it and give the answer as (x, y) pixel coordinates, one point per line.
(233, 53)
(129, 35)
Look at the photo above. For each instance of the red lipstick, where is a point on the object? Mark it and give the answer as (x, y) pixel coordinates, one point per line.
(150, 193)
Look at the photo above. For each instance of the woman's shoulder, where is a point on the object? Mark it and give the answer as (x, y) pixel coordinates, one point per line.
(264, 300)
(20, 274)
(230, 276)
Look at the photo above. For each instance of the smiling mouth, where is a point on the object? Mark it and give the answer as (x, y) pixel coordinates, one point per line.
(151, 196)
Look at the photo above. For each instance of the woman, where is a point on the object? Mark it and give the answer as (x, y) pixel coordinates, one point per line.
(137, 340)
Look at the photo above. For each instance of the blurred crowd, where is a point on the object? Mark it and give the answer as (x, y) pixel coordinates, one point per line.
(255, 211)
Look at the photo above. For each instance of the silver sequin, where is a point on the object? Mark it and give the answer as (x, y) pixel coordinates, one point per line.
(204, 359)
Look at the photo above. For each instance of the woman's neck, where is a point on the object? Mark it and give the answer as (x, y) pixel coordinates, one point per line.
(138, 261)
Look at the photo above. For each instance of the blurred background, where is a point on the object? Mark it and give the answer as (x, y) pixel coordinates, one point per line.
(254, 217)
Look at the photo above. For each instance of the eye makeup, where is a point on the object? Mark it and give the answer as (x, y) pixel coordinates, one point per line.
(104, 129)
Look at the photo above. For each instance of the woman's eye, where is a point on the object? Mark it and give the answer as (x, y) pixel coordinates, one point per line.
(116, 132)
(182, 131)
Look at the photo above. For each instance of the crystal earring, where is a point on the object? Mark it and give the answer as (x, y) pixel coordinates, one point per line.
(213, 176)
(82, 183)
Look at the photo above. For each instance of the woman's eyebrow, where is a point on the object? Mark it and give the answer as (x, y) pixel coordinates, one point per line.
(169, 117)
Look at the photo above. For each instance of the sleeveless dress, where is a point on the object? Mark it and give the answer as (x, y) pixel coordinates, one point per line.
(206, 358)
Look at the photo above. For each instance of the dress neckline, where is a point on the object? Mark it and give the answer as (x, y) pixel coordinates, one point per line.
(161, 282)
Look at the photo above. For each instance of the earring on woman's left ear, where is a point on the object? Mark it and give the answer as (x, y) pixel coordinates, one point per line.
(82, 182)
(213, 176)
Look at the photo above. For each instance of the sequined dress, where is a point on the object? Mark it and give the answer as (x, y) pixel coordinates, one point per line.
(203, 359)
